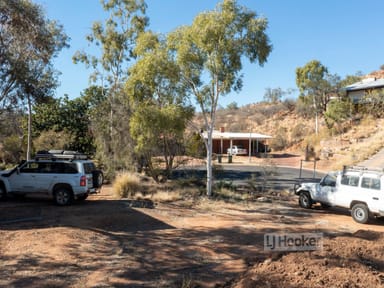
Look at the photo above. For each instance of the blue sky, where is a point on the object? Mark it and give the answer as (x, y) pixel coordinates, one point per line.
(344, 35)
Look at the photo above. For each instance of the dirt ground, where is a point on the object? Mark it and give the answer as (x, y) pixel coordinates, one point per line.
(104, 242)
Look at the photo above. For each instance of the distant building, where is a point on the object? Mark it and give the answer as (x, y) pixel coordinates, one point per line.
(358, 91)
(254, 142)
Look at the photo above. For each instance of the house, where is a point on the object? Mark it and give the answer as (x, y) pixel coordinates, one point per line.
(254, 142)
(358, 91)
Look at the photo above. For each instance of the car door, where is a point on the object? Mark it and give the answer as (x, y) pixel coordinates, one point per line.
(44, 176)
(326, 188)
(347, 191)
(372, 193)
(24, 179)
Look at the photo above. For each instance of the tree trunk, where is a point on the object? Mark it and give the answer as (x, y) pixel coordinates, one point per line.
(29, 136)
(209, 162)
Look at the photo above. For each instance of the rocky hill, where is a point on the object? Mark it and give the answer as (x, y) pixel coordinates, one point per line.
(294, 133)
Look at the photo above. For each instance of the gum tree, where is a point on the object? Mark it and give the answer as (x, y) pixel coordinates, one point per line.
(157, 96)
(116, 39)
(28, 44)
(311, 81)
(210, 52)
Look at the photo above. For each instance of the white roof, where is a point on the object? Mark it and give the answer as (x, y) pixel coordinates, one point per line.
(366, 84)
(233, 135)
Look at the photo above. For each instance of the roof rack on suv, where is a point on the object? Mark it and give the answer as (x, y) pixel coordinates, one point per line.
(60, 154)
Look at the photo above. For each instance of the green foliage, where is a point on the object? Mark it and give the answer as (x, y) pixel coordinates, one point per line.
(194, 146)
(53, 140)
(210, 53)
(66, 116)
(373, 103)
(116, 39)
(232, 106)
(337, 113)
(350, 79)
(273, 95)
(311, 81)
(310, 76)
(157, 96)
(29, 42)
(159, 131)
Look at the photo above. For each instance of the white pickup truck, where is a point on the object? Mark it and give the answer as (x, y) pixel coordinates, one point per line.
(236, 150)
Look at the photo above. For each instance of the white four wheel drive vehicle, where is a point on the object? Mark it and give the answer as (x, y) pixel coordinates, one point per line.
(236, 150)
(63, 175)
(356, 188)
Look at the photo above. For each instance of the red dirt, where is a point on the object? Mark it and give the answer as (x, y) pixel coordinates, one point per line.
(105, 242)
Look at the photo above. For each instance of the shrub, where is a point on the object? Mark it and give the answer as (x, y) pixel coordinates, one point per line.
(126, 185)
(53, 140)
(298, 132)
(279, 142)
(232, 106)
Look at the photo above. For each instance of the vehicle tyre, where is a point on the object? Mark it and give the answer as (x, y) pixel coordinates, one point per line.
(325, 206)
(82, 197)
(3, 193)
(360, 213)
(305, 200)
(97, 178)
(63, 196)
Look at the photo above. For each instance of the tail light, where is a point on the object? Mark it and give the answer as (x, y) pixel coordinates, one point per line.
(83, 180)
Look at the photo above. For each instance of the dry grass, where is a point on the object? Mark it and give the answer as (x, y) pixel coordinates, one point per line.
(366, 140)
(356, 145)
(126, 185)
(138, 187)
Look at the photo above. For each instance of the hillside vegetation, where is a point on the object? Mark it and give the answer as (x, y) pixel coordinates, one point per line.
(295, 134)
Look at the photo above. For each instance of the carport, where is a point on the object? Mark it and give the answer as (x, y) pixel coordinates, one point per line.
(253, 142)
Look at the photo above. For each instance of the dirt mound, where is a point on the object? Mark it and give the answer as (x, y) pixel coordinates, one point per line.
(353, 260)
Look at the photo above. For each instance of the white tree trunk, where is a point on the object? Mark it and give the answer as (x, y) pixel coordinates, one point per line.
(209, 162)
(29, 136)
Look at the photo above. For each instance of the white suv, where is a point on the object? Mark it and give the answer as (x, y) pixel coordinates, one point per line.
(63, 175)
(356, 188)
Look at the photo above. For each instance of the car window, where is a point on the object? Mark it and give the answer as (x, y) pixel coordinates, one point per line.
(370, 183)
(64, 168)
(89, 167)
(44, 168)
(350, 180)
(329, 180)
(30, 167)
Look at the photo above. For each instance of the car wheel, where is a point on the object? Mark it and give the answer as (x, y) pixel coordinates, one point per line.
(97, 178)
(305, 200)
(325, 206)
(63, 196)
(360, 213)
(3, 193)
